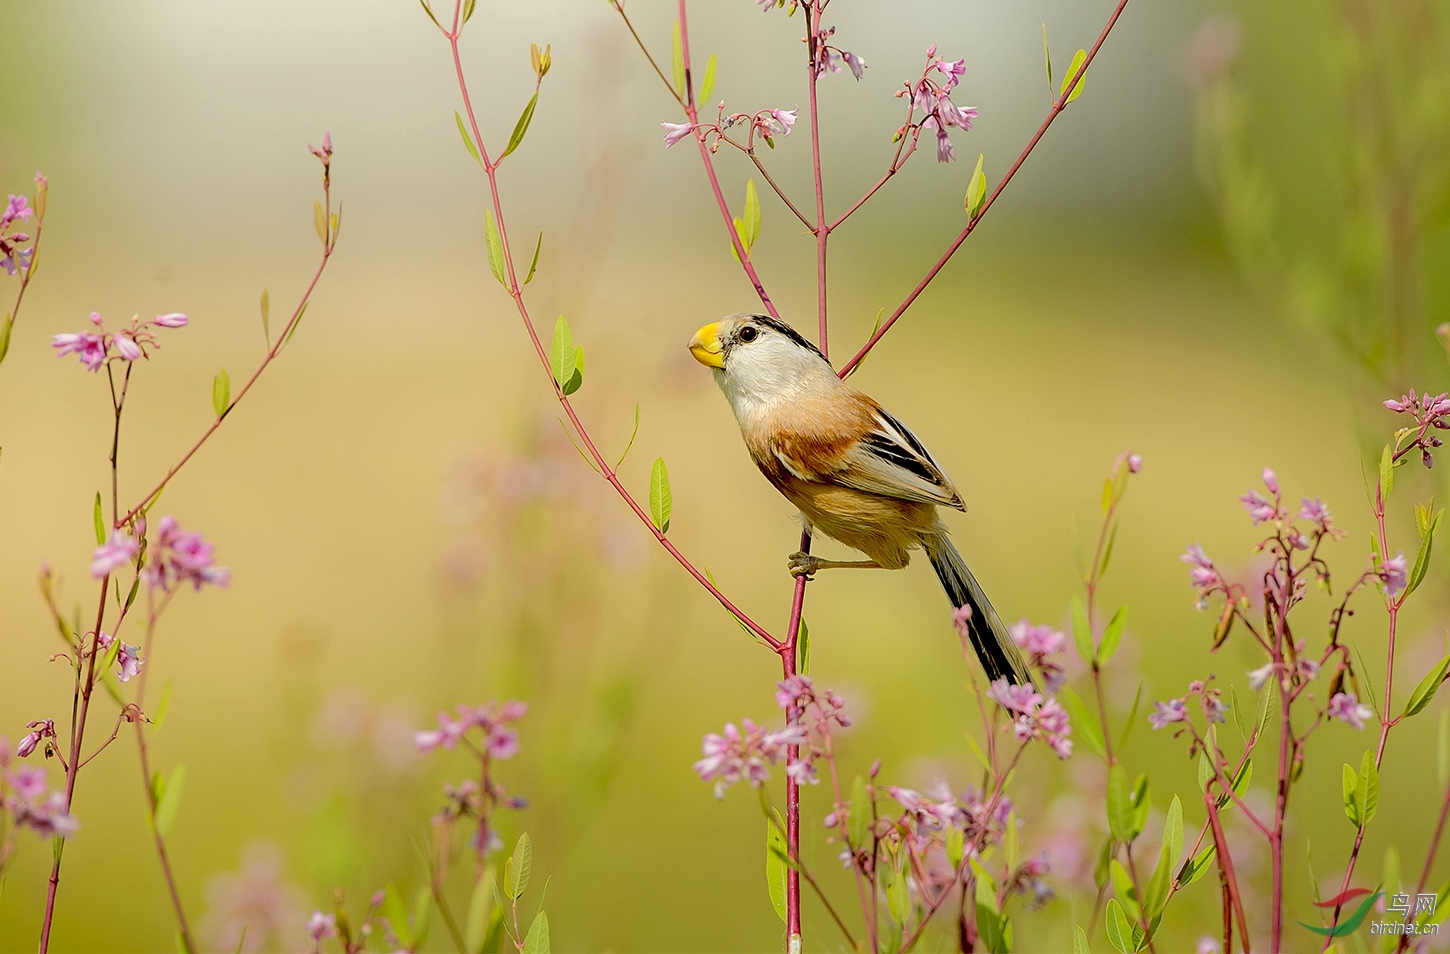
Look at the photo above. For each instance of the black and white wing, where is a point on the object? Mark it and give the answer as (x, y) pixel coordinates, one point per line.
(892, 462)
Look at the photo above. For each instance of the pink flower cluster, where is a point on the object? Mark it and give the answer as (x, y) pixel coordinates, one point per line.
(981, 821)
(932, 95)
(1430, 413)
(26, 798)
(735, 754)
(1346, 707)
(493, 721)
(1034, 717)
(136, 340)
(1176, 710)
(179, 556)
(768, 123)
(13, 258)
(1041, 643)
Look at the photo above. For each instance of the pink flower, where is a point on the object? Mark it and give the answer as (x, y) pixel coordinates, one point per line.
(130, 661)
(126, 347)
(32, 807)
(1168, 712)
(780, 121)
(91, 348)
(173, 319)
(18, 207)
(674, 132)
(1347, 708)
(1014, 697)
(1041, 643)
(1258, 677)
(1259, 507)
(953, 71)
(321, 925)
(179, 556)
(857, 65)
(1271, 481)
(121, 548)
(1393, 574)
(1135, 463)
(325, 152)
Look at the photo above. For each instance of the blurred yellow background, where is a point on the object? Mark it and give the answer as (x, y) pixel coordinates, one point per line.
(407, 527)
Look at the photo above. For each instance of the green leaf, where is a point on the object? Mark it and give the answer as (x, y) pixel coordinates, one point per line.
(1011, 841)
(162, 707)
(521, 866)
(976, 189)
(562, 353)
(1367, 791)
(1442, 750)
(986, 887)
(1240, 784)
(977, 752)
(1350, 789)
(1197, 867)
(1266, 705)
(898, 895)
(1112, 636)
(1387, 472)
(1132, 719)
(170, 799)
(422, 907)
(537, 940)
(576, 380)
(677, 52)
(858, 823)
(1108, 550)
(296, 323)
(467, 139)
(480, 910)
(1120, 807)
(396, 911)
(1173, 831)
(1425, 691)
(1078, 59)
(1082, 721)
(495, 247)
(1238, 712)
(1205, 771)
(535, 263)
(468, 6)
(5, 327)
(775, 866)
(1082, 632)
(1422, 559)
(266, 316)
(990, 928)
(1141, 804)
(522, 126)
(633, 434)
(750, 221)
(803, 648)
(660, 500)
(1120, 932)
(1047, 58)
(1155, 895)
(1079, 936)
(100, 521)
(221, 393)
(956, 847)
(319, 220)
(707, 85)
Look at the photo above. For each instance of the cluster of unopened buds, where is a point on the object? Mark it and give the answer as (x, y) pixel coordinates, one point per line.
(14, 258)
(28, 800)
(767, 123)
(1429, 413)
(748, 751)
(931, 94)
(136, 340)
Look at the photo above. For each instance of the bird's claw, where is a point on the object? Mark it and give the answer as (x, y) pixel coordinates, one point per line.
(803, 564)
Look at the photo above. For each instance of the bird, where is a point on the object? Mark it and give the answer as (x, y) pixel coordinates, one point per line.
(855, 472)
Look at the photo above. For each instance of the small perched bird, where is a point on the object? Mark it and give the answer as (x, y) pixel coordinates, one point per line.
(856, 473)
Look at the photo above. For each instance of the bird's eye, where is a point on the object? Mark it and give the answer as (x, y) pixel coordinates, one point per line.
(749, 333)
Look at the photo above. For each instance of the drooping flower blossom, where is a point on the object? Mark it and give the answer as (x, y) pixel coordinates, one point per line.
(1203, 575)
(118, 550)
(130, 661)
(181, 556)
(1258, 677)
(1346, 707)
(674, 132)
(90, 348)
(1174, 710)
(931, 94)
(1394, 574)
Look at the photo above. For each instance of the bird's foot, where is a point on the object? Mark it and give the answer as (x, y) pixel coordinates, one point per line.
(803, 564)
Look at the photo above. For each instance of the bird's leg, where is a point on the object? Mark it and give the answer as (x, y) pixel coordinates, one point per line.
(803, 564)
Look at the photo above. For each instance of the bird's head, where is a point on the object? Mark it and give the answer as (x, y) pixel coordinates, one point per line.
(758, 359)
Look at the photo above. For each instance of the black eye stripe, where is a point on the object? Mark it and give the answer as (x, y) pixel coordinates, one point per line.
(766, 321)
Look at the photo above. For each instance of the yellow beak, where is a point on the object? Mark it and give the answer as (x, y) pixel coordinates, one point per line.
(707, 347)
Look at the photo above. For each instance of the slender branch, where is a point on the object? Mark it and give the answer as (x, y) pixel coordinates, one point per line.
(1058, 105)
(1429, 863)
(515, 290)
(1226, 868)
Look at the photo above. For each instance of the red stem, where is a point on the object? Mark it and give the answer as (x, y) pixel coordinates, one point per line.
(1226, 870)
(1057, 107)
(1429, 862)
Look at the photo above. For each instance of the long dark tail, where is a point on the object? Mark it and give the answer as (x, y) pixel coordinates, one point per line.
(994, 645)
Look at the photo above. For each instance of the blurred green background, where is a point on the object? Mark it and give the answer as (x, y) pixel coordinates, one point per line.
(1223, 256)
